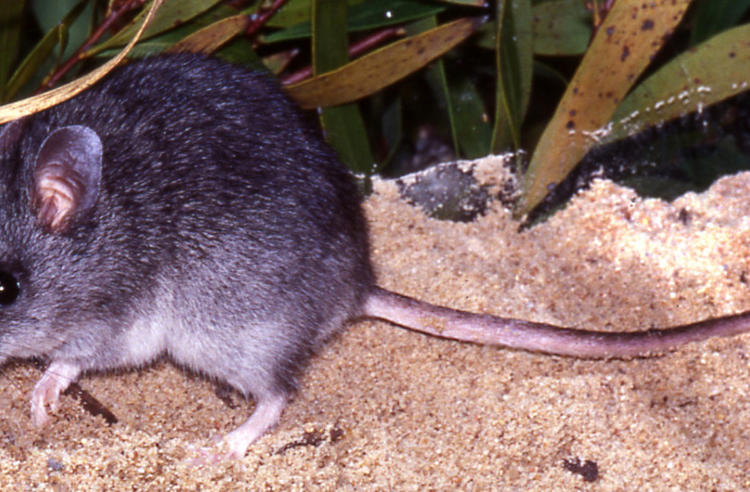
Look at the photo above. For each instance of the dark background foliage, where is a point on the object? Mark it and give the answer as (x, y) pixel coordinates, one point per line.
(652, 96)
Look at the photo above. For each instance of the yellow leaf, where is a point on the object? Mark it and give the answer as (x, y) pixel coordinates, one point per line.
(379, 69)
(210, 38)
(623, 47)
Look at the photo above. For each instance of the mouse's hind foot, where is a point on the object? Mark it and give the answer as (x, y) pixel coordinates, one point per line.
(234, 445)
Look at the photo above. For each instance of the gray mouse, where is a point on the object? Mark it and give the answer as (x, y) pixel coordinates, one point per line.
(184, 206)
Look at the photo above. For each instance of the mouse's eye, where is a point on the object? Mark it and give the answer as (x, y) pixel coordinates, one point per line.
(9, 288)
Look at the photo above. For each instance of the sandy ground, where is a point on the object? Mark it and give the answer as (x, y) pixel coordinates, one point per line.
(383, 408)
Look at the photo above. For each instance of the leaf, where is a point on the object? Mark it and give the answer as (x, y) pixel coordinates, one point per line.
(381, 68)
(210, 38)
(49, 12)
(291, 13)
(561, 27)
(438, 81)
(367, 16)
(24, 107)
(240, 51)
(343, 125)
(711, 72)
(39, 54)
(296, 12)
(514, 63)
(277, 62)
(172, 14)
(631, 34)
(472, 120)
(392, 128)
(715, 16)
(467, 3)
(163, 41)
(10, 35)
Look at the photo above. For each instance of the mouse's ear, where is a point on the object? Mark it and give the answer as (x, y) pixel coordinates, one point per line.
(67, 176)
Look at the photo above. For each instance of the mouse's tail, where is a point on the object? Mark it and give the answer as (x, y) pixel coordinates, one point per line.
(540, 337)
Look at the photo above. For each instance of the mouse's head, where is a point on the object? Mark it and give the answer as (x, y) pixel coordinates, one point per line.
(48, 186)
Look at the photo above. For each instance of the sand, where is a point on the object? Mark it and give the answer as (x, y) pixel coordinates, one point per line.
(382, 408)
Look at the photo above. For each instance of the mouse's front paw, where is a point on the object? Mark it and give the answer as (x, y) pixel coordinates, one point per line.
(46, 392)
(55, 379)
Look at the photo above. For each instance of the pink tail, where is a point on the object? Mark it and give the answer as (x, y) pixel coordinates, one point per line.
(540, 337)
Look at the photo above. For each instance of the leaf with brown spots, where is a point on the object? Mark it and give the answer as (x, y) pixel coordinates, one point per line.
(623, 47)
(713, 71)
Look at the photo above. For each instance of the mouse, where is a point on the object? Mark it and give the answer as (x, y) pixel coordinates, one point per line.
(184, 206)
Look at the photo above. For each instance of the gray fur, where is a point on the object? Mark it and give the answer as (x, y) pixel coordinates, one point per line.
(225, 232)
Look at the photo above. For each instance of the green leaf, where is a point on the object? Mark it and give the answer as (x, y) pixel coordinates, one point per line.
(170, 15)
(345, 132)
(438, 81)
(392, 127)
(241, 51)
(162, 42)
(715, 16)
(514, 65)
(367, 16)
(10, 35)
(472, 120)
(296, 12)
(49, 12)
(31, 65)
(711, 72)
(291, 13)
(561, 27)
(343, 125)
(467, 3)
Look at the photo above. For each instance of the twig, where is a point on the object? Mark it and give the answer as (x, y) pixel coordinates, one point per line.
(262, 17)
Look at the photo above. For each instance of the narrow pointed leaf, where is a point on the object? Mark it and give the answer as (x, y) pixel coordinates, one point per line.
(630, 36)
(467, 3)
(711, 72)
(165, 40)
(57, 36)
(343, 125)
(381, 68)
(561, 27)
(48, 14)
(10, 36)
(367, 16)
(295, 12)
(172, 14)
(514, 63)
(437, 79)
(210, 38)
(472, 120)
